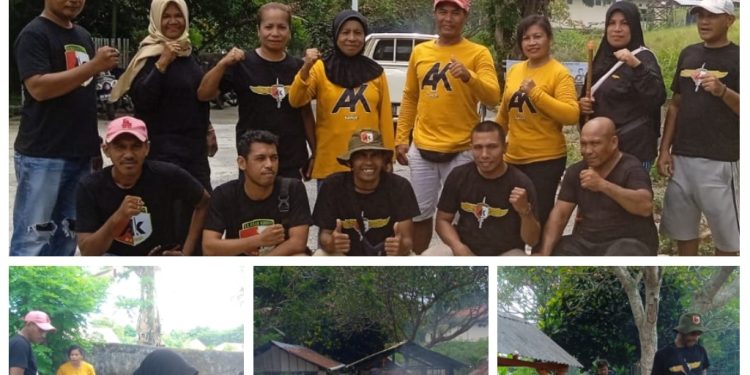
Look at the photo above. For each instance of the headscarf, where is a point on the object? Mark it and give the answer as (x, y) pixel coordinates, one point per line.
(152, 45)
(164, 362)
(605, 58)
(345, 71)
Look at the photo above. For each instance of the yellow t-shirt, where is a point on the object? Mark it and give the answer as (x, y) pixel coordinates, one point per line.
(339, 112)
(441, 108)
(68, 369)
(534, 122)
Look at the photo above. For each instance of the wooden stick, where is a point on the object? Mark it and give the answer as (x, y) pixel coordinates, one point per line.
(590, 72)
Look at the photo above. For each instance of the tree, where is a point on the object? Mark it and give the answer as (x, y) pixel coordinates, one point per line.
(364, 308)
(67, 294)
(503, 17)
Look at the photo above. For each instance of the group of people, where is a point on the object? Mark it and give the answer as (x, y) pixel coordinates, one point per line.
(485, 187)
(37, 324)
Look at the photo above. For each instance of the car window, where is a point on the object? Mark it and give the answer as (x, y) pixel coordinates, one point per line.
(383, 50)
(403, 49)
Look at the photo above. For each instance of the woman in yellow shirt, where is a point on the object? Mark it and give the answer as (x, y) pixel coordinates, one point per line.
(351, 92)
(76, 365)
(538, 99)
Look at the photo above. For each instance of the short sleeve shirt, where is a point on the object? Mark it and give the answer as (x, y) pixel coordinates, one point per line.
(367, 217)
(602, 219)
(234, 214)
(672, 360)
(487, 222)
(162, 186)
(21, 355)
(65, 126)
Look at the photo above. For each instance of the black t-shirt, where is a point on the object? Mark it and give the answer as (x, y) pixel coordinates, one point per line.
(262, 87)
(233, 213)
(372, 214)
(602, 219)
(21, 355)
(706, 127)
(487, 222)
(168, 103)
(671, 360)
(161, 186)
(62, 127)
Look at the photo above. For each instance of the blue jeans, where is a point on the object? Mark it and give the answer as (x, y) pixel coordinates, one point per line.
(45, 208)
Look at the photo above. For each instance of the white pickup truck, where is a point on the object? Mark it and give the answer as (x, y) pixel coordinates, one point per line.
(392, 51)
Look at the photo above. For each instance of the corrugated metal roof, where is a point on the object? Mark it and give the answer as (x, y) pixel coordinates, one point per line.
(515, 336)
(309, 355)
(411, 349)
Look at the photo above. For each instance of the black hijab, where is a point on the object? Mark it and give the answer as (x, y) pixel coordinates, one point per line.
(345, 71)
(605, 58)
(164, 362)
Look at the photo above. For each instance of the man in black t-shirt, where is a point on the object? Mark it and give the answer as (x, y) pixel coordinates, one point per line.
(366, 211)
(685, 355)
(493, 199)
(614, 199)
(128, 208)
(57, 139)
(22, 359)
(261, 214)
(700, 147)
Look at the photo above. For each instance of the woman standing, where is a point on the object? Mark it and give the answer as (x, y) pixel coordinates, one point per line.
(351, 92)
(628, 86)
(262, 78)
(162, 79)
(75, 364)
(538, 99)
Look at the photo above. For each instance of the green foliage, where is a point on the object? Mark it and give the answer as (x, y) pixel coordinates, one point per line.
(209, 337)
(350, 312)
(67, 294)
(470, 353)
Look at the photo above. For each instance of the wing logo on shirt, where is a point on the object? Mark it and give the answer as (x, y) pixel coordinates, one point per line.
(435, 75)
(349, 99)
(482, 210)
(368, 224)
(76, 56)
(277, 91)
(517, 101)
(691, 73)
(138, 230)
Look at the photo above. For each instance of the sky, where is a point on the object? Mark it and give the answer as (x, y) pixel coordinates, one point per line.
(187, 296)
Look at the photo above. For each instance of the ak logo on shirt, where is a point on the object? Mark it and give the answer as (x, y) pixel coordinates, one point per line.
(138, 230)
(482, 210)
(517, 101)
(76, 56)
(435, 76)
(349, 99)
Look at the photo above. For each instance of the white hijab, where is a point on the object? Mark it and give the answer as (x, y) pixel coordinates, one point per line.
(153, 45)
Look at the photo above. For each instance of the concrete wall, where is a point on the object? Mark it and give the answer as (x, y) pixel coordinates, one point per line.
(123, 359)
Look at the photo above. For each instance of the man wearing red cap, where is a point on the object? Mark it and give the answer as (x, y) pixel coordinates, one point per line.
(445, 81)
(22, 359)
(128, 208)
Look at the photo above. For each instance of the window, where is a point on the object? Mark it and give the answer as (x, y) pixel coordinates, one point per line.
(403, 49)
(383, 51)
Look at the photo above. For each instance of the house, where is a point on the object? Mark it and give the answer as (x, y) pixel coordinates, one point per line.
(591, 13)
(229, 347)
(195, 344)
(521, 344)
(280, 358)
(406, 358)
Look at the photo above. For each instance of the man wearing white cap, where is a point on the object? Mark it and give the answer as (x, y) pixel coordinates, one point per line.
(22, 359)
(445, 81)
(700, 147)
(128, 208)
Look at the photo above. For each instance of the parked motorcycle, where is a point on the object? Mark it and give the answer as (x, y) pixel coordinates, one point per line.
(105, 82)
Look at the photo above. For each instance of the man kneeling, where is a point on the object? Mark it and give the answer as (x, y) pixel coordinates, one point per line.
(613, 194)
(128, 208)
(366, 211)
(494, 201)
(261, 214)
